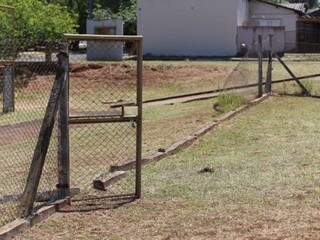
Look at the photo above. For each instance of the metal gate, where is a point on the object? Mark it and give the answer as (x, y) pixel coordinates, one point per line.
(104, 105)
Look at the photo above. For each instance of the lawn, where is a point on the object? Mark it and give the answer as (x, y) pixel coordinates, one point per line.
(264, 184)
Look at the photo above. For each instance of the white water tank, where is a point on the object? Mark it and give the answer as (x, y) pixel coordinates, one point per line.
(103, 50)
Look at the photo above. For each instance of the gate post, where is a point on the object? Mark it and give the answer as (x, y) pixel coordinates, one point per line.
(260, 70)
(43, 142)
(63, 138)
(268, 87)
(8, 89)
(139, 45)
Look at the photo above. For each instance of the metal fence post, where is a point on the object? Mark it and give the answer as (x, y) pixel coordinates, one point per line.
(8, 89)
(63, 138)
(139, 118)
(268, 87)
(260, 70)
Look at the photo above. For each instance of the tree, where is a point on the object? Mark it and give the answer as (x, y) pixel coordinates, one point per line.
(35, 22)
(77, 7)
(125, 9)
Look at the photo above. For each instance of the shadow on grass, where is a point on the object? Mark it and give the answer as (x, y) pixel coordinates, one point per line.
(98, 203)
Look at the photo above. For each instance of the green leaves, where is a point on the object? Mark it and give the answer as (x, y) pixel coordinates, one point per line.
(36, 21)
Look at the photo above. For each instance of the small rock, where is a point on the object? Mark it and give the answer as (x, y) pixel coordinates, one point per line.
(207, 170)
(161, 150)
(217, 107)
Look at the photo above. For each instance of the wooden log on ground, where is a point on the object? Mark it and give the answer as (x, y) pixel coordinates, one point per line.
(106, 179)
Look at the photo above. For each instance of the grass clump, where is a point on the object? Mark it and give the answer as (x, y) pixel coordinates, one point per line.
(229, 101)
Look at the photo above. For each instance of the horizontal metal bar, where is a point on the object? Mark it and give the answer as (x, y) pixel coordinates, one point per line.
(128, 104)
(226, 89)
(298, 78)
(115, 38)
(92, 120)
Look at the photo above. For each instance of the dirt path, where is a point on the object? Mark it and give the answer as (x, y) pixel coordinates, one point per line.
(19, 132)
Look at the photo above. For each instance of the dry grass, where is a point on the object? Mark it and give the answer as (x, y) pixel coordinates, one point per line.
(265, 185)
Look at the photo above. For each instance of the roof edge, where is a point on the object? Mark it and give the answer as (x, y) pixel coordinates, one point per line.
(280, 6)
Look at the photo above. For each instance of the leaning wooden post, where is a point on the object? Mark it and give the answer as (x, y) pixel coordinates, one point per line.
(41, 149)
(63, 137)
(268, 87)
(8, 88)
(139, 117)
(260, 70)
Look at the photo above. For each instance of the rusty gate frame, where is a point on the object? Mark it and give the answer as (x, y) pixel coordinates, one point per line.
(65, 158)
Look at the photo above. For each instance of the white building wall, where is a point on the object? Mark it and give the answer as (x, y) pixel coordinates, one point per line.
(243, 12)
(101, 51)
(288, 18)
(249, 37)
(188, 27)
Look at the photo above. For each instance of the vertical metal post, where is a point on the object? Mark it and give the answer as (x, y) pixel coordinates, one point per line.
(260, 70)
(8, 88)
(268, 87)
(63, 139)
(139, 117)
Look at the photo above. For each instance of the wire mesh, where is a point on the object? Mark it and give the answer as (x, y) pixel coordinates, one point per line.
(103, 91)
(26, 83)
(301, 56)
(198, 85)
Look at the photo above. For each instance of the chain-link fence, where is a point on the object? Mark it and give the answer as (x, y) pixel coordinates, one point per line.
(26, 82)
(105, 90)
(105, 107)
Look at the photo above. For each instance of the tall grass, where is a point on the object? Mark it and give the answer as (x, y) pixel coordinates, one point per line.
(230, 101)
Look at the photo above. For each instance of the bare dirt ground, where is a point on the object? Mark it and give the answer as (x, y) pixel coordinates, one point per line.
(153, 75)
(15, 133)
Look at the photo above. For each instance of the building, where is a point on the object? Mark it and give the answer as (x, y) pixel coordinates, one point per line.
(209, 28)
(266, 18)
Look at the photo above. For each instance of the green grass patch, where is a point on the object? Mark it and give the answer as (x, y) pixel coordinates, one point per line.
(230, 101)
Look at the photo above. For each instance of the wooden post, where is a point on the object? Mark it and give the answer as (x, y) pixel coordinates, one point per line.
(8, 89)
(268, 87)
(139, 117)
(40, 152)
(260, 70)
(63, 139)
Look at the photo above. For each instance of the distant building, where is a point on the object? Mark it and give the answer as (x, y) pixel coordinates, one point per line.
(209, 28)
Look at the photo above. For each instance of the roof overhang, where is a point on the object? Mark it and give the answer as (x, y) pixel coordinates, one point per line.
(280, 6)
